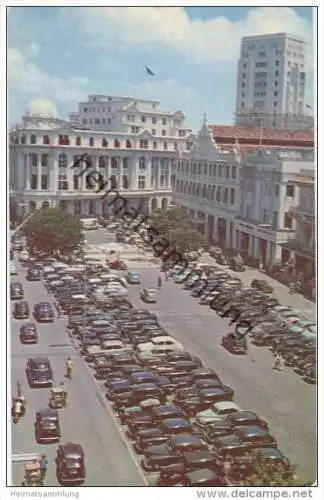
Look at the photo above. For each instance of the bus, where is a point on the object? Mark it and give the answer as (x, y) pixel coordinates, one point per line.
(89, 224)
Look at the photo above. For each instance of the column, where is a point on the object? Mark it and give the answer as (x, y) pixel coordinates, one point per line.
(268, 253)
(70, 172)
(108, 170)
(169, 172)
(120, 174)
(256, 247)
(234, 235)
(238, 240)
(158, 163)
(228, 234)
(28, 170)
(39, 171)
(250, 248)
(215, 235)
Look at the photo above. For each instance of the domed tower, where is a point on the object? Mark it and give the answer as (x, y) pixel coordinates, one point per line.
(42, 108)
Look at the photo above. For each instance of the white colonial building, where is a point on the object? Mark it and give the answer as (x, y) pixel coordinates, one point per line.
(268, 193)
(134, 143)
(207, 184)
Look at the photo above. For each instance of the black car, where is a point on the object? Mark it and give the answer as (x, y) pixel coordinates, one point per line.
(235, 345)
(174, 474)
(262, 285)
(204, 373)
(149, 437)
(33, 274)
(16, 291)
(21, 310)
(70, 464)
(39, 372)
(47, 426)
(245, 418)
(216, 394)
(216, 430)
(139, 422)
(174, 426)
(28, 334)
(44, 312)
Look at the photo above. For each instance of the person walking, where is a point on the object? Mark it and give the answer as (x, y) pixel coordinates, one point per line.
(69, 366)
(43, 463)
(278, 363)
(292, 288)
(159, 282)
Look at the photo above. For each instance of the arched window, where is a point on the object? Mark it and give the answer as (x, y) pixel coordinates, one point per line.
(142, 163)
(91, 141)
(128, 144)
(46, 139)
(23, 139)
(33, 139)
(116, 143)
(62, 161)
(104, 143)
(78, 141)
(114, 162)
(64, 140)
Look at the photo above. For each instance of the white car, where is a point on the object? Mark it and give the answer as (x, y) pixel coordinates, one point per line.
(13, 269)
(217, 412)
(23, 256)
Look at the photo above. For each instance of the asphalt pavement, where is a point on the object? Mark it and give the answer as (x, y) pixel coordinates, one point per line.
(282, 398)
(86, 420)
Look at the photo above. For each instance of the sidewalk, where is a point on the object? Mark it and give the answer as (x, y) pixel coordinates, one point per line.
(281, 292)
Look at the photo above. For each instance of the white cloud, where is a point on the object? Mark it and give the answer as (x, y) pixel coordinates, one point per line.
(33, 49)
(209, 40)
(26, 77)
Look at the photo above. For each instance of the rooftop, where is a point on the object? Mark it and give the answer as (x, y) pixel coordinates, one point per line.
(256, 133)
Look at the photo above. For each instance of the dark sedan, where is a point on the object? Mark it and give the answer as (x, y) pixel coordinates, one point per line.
(70, 464)
(16, 291)
(47, 426)
(44, 312)
(21, 310)
(28, 334)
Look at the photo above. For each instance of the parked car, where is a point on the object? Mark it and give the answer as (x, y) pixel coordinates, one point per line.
(133, 278)
(21, 310)
(148, 295)
(262, 285)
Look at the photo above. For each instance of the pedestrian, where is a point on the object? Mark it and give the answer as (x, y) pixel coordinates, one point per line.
(292, 288)
(166, 276)
(159, 282)
(278, 363)
(43, 463)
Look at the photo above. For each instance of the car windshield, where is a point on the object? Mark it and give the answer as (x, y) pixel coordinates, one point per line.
(42, 368)
(72, 463)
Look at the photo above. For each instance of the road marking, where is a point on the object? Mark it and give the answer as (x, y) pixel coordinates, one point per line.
(120, 431)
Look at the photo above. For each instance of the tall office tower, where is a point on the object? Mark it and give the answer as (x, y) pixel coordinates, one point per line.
(271, 82)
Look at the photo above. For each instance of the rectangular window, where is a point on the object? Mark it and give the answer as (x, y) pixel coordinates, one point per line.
(227, 172)
(164, 132)
(143, 119)
(290, 190)
(141, 182)
(233, 172)
(33, 184)
(163, 121)
(153, 120)
(153, 131)
(275, 219)
(97, 121)
(44, 185)
(165, 146)
(76, 185)
(62, 184)
(232, 201)
(226, 195)
(277, 189)
(84, 121)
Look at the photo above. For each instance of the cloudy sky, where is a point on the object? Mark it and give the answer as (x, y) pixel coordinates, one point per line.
(65, 53)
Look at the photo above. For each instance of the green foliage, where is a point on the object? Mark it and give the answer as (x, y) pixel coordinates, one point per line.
(176, 227)
(50, 230)
(264, 472)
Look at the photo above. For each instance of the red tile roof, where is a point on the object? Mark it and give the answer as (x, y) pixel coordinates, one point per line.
(239, 132)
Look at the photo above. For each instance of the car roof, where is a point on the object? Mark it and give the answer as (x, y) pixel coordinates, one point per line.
(71, 448)
(48, 412)
(201, 474)
(243, 414)
(40, 361)
(225, 405)
(251, 430)
(186, 438)
(175, 422)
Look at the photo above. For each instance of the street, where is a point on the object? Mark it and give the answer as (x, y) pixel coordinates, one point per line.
(86, 419)
(281, 398)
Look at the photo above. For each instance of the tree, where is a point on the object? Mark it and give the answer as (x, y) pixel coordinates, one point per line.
(51, 229)
(261, 471)
(176, 227)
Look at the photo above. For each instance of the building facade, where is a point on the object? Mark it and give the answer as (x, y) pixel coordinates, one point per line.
(271, 82)
(207, 184)
(44, 151)
(268, 193)
(302, 247)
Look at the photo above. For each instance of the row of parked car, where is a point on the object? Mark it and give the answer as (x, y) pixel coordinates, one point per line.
(179, 416)
(267, 323)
